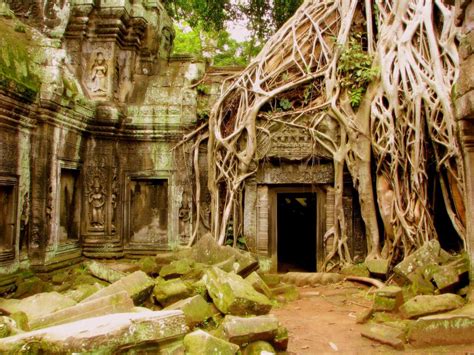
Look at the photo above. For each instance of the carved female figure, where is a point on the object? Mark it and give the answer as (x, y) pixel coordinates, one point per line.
(99, 74)
(97, 203)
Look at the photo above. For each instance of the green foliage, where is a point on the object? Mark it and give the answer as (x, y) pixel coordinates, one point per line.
(218, 47)
(264, 17)
(355, 69)
(286, 104)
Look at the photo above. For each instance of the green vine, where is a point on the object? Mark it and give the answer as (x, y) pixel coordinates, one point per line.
(355, 69)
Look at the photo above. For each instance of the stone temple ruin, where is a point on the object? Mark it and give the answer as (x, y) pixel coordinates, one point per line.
(92, 107)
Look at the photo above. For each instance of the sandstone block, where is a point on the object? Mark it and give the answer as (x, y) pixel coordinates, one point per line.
(442, 329)
(171, 291)
(103, 272)
(388, 299)
(200, 342)
(39, 305)
(426, 304)
(258, 284)
(106, 334)
(116, 303)
(233, 295)
(385, 334)
(240, 330)
(427, 255)
(378, 267)
(138, 286)
(259, 347)
(195, 309)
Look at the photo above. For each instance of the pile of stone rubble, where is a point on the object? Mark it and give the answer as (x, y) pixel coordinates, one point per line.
(425, 303)
(207, 299)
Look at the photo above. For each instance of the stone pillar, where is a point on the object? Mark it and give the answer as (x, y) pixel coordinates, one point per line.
(465, 108)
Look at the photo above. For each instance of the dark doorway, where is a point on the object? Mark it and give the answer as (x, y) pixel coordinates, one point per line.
(296, 232)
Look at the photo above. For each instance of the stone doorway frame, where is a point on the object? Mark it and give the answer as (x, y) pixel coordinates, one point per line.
(133, 248)
(273, 192)
(8, 255)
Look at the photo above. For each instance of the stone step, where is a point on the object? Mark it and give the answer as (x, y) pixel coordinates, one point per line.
(105, 334)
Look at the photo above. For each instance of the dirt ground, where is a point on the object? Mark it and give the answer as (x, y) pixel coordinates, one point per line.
(323, 320)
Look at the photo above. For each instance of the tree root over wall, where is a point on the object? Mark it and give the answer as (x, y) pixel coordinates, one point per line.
(382, 73)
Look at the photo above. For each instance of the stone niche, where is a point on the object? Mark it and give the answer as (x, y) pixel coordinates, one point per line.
(8, 217)
(69, 206)
(148, 212)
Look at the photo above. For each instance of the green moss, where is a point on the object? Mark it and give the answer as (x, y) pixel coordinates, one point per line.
(16, 62)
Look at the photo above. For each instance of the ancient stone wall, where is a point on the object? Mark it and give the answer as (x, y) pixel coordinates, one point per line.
(465, 106)
(91, 106)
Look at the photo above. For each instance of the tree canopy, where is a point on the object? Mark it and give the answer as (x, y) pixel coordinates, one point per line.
(209, 37)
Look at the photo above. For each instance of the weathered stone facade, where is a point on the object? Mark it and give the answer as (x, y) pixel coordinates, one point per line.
(91, 106)
(465, 107)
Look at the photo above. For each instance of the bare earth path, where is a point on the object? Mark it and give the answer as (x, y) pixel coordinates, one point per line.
(323, 320)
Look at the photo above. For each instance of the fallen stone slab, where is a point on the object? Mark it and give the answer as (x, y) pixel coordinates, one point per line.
(378, 268)
(259, 347)
(233, 295)
(272, 280)
(116, 303)
(258, 284)
(385, 334)
(452, 275)
(388, 299)
(195, 309)
(171, 291)
(81, 292)
(103, 272)
(442, 329)
(200, 342)
(126, 268)
(424, 305)
(138, 286)
(38, 305)
(209, 252)
(177, 268)
(429, 254)
(105, 334)
(280, 342)
(241, 330)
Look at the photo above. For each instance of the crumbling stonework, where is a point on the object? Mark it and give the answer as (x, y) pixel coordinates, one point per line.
(465, 107)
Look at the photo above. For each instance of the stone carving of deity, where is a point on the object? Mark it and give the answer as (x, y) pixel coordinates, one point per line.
(99, 74)
(97, 205)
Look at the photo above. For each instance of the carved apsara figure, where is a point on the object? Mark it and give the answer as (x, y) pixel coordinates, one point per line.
(99, 74)
(97, 204)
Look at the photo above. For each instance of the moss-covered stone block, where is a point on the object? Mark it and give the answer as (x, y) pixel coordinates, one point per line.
(426, 304)
(280, 342)
(388, 299)
(409, 269)
(443, 329)
(167, 292)
(356, 270)
(200, 342)
(233, 295)
(258, 347)
(243, 330)
(195, 309)
(258, 284)
(384, 334)
(138, 286)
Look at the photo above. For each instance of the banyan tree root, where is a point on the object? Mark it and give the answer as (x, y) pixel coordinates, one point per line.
(391, 117)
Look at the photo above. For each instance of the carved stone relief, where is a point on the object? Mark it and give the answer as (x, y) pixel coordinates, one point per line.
(24, 221)
(185, 216)
(96, 198)
(114, 191)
